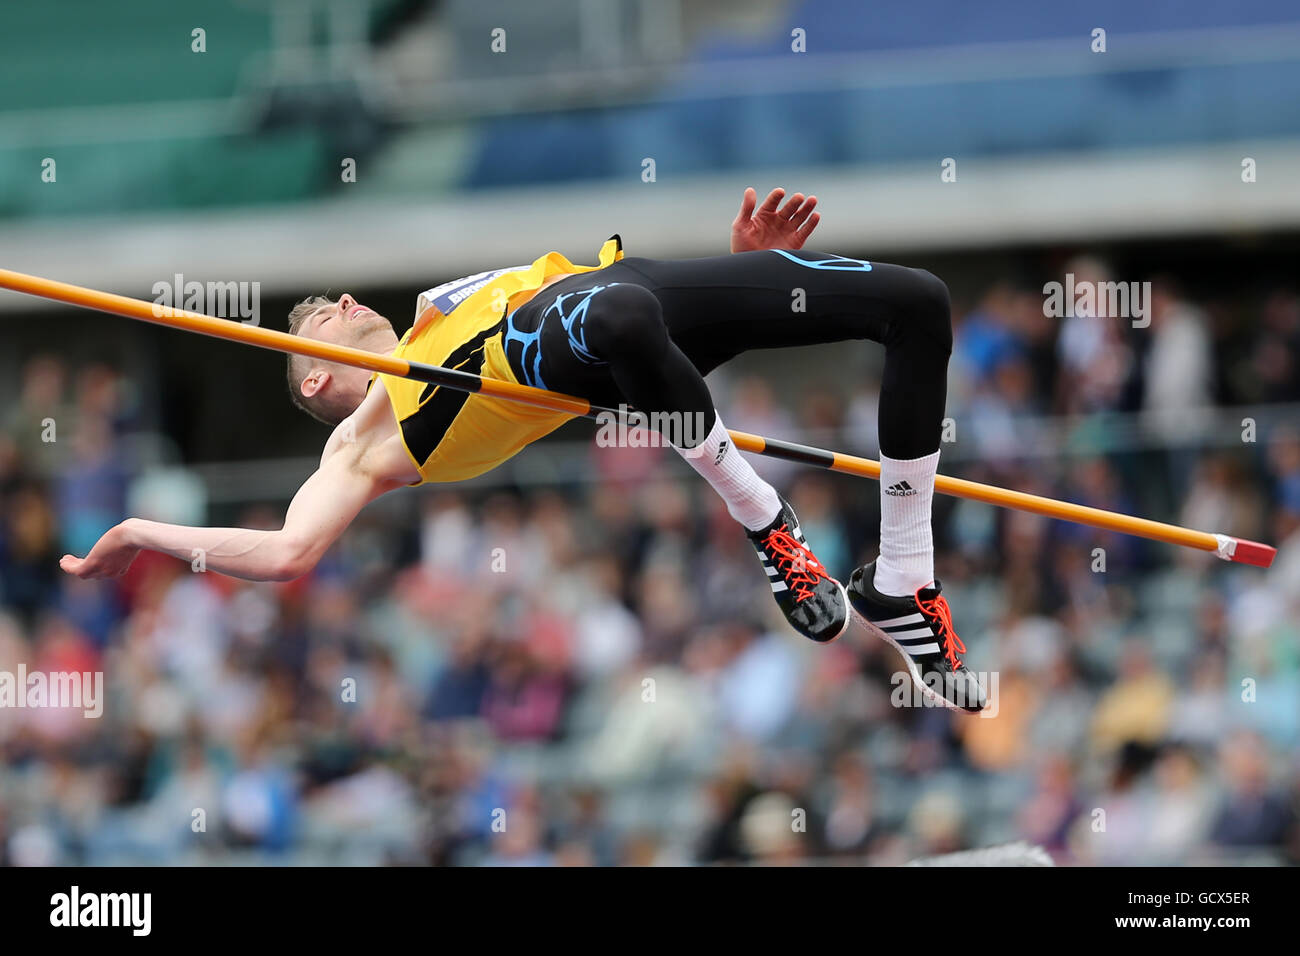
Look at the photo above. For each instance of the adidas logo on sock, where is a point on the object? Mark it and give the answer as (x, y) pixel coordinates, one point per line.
(900, 489)
(722, 451)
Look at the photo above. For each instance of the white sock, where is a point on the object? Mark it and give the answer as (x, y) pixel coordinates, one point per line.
(750, 499)
(906, 559)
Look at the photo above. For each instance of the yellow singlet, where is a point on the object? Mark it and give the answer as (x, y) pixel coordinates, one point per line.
(452, 435)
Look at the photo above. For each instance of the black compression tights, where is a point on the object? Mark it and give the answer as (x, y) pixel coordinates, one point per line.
(647, 331)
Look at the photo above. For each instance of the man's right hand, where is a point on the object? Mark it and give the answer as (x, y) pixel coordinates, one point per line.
(768, 227)
(109, 558)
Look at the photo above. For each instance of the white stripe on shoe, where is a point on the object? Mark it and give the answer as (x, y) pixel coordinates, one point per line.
(913, 632)
(923, 649)
(914, 618)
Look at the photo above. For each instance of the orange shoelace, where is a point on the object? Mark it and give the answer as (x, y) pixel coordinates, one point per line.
(796, 563)
(937, 608)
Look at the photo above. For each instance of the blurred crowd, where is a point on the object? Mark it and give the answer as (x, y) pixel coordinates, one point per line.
(596, 673)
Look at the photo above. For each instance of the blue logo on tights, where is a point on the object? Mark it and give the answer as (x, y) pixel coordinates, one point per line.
(576, 304)
(829, 261)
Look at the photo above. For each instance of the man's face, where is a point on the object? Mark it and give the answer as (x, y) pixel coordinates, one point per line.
(345, 322)
(348, 322)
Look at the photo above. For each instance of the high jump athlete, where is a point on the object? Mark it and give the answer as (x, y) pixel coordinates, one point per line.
(640, 332)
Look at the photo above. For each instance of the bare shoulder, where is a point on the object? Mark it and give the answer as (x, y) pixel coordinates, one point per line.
(368, 442)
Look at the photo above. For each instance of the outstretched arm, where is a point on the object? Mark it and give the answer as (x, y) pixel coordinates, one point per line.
(771, 228)
(323, 507)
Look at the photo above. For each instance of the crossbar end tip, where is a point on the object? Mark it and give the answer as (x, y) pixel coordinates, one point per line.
(1242, 551)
